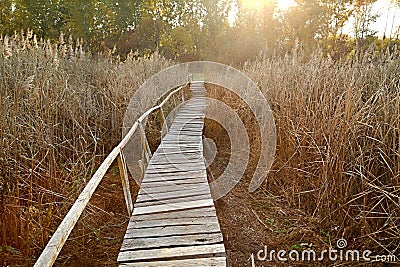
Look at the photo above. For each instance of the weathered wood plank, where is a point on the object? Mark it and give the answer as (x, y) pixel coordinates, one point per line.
(194, 187)
(162, 231)
(177, 160)
(189, 213)
(173, 221)
(174, 188)
(146, 196)
(171, 241)
(174, 206)
(181, 151)
(171, 252)
(174, 170)
(172, 200)
(199, 262)
(175, 175)
(173, 182)
(177, 166)
(173, 230)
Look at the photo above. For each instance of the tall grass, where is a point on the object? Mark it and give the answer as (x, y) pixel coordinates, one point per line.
(338, 134)
(61, 112)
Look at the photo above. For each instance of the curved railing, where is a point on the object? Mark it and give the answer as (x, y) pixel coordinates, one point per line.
(58, 239)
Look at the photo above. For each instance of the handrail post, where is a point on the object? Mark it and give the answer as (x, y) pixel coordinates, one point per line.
(145, 143)
(164, 121)
(125, 182)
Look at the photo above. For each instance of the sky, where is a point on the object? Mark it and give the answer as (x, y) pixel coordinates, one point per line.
(390, 12)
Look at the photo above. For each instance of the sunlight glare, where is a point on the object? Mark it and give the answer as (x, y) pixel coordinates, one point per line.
(259, 4)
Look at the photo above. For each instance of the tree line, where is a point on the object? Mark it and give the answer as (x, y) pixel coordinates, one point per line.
(226, 30)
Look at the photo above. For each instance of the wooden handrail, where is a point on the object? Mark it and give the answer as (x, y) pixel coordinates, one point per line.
(57, 241)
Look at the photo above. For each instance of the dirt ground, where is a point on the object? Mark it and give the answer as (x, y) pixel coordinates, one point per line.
(251, 222)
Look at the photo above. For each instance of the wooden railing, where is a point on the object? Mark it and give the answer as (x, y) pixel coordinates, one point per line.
(58, 239)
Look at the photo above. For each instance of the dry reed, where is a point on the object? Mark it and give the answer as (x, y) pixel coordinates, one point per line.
(338, 140)
(61, 112)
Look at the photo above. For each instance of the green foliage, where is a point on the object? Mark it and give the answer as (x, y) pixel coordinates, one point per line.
(42, 16)
(6, 18)
(196, 29)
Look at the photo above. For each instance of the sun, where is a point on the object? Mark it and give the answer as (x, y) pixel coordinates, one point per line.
(260, 4)
(255, 4)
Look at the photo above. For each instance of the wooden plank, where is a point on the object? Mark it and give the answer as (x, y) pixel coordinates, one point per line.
(178, 157)
(191, 145)
(174, 188)
(182, 142)
(174, 170)
(186, 152)
(165, 169)
(175, 157)
(188, 124)
(146, 196)
(171, 207)
(173, 221)
(165, 166)
(188, 120)
(194, 158)
(199, 262)
(171, 187)
(196, 155)
(163, 231)
(154, 175)
(189, 213)
(189, 139)
(188, 133)
(176, 135)
(171, 252)
(171, 241)
(181, 174)
(153, 184)
(172, 200)
(177, 160)
(184, 126)
(157, 177)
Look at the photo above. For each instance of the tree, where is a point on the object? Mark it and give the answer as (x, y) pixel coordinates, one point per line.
(145, 37)
(81, 18)
(340, 12)
(42, 16)
(178, 43)
(363, 18)
(306, 23)
(6, 15)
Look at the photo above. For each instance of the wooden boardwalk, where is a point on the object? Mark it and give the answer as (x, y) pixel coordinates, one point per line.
(174, 221)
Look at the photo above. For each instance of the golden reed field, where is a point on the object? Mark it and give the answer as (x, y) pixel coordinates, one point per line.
(61, 109)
